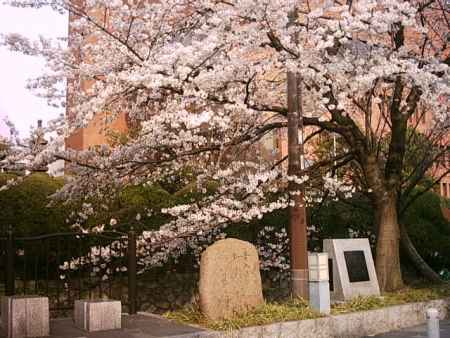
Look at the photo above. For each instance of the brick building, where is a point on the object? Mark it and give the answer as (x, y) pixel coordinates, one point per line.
(102, 129)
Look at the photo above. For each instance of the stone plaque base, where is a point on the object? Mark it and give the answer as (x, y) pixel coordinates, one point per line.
(353, 269)
(98, 315)
(25, 316)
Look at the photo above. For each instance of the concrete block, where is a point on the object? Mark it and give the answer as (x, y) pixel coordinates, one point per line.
(321, 328)
(98, 315)
(25, 316)
(253, 331)
(289, 329)
(272, 330)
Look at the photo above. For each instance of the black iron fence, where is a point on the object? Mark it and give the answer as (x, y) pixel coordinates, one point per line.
(70, 266)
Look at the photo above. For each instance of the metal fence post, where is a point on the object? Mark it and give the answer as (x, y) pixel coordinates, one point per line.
(10, 256)
(132, 272)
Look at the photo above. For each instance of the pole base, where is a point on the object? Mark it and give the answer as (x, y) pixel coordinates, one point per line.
(300, 283)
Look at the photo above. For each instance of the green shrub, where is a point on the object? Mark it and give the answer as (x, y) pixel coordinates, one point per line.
(24, 206)
(146, 201)
(429, 230)
(333, 219)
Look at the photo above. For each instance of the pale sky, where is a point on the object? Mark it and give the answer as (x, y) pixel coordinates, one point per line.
(22, 107)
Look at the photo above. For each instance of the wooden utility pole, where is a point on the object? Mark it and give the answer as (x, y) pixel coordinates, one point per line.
(297, 212)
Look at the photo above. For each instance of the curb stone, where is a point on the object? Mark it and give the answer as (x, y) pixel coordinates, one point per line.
(350, 325)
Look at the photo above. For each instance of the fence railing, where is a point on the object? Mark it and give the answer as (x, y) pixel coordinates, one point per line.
(70, 266)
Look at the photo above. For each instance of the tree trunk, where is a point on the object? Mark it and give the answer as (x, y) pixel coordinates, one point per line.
(388, 244)
(416, 259)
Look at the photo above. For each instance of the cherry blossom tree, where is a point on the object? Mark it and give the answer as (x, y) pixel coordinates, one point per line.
(204, 81)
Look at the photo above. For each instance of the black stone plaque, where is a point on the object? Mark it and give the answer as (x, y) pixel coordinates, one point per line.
(356, 266)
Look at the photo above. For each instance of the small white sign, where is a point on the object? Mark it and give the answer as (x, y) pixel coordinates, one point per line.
(318, 267)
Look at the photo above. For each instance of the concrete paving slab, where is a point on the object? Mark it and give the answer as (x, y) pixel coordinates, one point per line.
(417, 332)
(137, 326)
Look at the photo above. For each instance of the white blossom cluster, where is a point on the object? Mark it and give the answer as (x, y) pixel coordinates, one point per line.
(273, 248)
(338, 187)
(202, 82)
(100, 262)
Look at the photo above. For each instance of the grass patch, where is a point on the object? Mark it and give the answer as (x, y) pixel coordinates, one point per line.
(404, 296)
(297, 309)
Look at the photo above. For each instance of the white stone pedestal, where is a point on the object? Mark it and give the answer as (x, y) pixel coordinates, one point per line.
(319, 296)
(319, 285)
(25, 316)
(98, 315)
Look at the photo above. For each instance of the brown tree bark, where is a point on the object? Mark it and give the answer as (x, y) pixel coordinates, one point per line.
(387, 259)
(388, 244)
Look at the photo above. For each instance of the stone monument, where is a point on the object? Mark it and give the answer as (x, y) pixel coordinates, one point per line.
(352, 271)
(230, 280)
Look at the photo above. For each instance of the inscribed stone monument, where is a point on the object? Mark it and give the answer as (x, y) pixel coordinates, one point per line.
(352, 271)
(230, 281)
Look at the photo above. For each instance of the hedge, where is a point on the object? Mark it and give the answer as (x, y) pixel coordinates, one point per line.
(25, 208)
(429, 230)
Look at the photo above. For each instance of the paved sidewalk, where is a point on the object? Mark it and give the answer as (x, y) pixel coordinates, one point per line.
(137, 326)
(152, 326)
(418, 332)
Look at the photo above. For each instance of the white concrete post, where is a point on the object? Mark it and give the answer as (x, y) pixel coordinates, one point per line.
(433, 323)
(319, 284)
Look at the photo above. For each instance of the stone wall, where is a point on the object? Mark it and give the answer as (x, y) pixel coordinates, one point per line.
(275, 289)
(165, 292)
(174, 290)
(159, 292)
